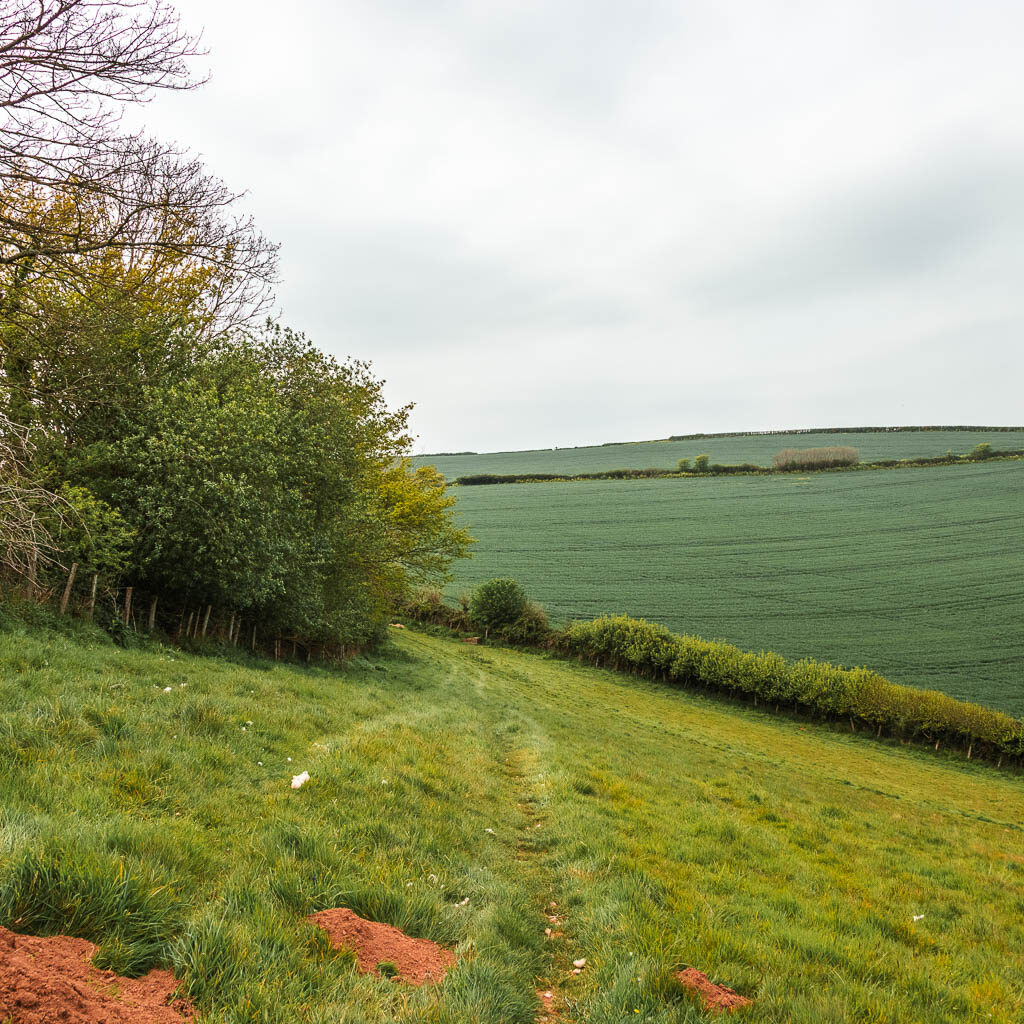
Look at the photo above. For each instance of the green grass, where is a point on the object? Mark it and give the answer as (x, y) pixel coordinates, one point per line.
(785, 861)
(916, 574)
(754, 448)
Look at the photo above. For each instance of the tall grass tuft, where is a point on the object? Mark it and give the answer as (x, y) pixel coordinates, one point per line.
(58, 890)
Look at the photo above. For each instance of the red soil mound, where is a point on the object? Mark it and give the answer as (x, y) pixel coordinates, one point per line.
(50, 981)
(716, 997)
(416, 960)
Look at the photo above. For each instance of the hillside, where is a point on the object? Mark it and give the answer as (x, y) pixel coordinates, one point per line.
(914, 573)
(738, 448)
(827, 876)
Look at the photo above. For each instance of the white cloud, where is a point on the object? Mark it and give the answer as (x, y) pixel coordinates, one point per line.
(556, 224)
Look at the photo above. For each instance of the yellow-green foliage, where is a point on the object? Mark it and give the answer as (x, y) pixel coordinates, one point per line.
(858, 694)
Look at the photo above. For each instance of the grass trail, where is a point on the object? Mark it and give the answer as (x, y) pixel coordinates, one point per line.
(786, 862)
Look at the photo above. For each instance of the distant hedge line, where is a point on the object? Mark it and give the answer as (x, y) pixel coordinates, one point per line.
(744, 468)
(834, 430)
(859, 695)
(535, 478)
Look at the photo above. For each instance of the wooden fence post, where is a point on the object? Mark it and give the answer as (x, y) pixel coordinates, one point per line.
(127, 605)
(92, 596)
(67, 588)
(206, 620)
(231, 628)
(152, 614)
(188, 628)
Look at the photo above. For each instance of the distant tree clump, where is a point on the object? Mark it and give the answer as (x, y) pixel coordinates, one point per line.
(815, 458)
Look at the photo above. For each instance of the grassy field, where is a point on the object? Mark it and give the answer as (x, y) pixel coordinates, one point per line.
(754, 448)
(787, 862)
(918, 574)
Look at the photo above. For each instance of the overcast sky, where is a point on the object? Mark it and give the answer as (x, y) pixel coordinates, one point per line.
(558, 223)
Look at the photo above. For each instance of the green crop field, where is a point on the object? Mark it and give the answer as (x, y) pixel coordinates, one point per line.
(916, 573)
(458, 792)
(755, 448)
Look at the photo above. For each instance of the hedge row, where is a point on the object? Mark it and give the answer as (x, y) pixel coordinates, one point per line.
(745, 468)
(533, 478)
(860, 696)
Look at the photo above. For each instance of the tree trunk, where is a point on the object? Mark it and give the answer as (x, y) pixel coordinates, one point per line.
(152, 614)
(127, 605)
(206, 620)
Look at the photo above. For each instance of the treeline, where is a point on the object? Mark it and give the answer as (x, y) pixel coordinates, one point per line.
(167, 459)
(533, 478)
(787, 461)
(254, 479)
(859, 697)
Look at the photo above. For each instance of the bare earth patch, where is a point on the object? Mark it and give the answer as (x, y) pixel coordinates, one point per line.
(51, 981)
(716, 997)
(417, 961)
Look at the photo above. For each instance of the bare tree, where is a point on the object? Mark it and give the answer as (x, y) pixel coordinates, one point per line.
(25, 508)
(74, 188)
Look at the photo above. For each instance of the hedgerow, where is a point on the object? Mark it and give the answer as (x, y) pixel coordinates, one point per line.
(858, 695)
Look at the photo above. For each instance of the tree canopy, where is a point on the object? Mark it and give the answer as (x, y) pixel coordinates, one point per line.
(153, 428)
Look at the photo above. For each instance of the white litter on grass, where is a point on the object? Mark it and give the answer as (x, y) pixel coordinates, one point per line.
(465, 902)
(299, 780)
(289, 759)
(248, 723)
(432, 878)
(489, 831)
(581, 963)
(260, 763)
(167, 689)
(919, 917)
(383, 782)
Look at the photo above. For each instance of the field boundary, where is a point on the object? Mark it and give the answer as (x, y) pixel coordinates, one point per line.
(826, 693)
(743, 469)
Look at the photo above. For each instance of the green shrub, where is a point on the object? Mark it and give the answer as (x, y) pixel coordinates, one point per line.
(981, 451)
(498, 602)
(683, 465)
(856, 695)
(701, 463)
(530, 628)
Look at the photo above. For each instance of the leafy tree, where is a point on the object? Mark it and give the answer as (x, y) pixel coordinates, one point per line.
(498, 602)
